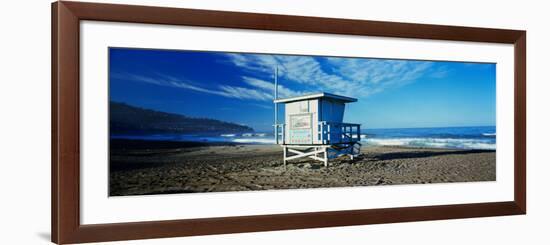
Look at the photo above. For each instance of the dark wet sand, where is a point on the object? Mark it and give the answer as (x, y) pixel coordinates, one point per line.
(142, 167)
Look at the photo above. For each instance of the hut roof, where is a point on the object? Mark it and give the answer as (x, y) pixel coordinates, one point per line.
(316, 96)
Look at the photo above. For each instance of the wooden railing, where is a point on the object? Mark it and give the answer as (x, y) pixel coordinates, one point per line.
(349, 132)
(279, 133)
(326, 133)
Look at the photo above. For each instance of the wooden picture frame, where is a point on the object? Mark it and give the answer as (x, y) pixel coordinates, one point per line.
(65, 175)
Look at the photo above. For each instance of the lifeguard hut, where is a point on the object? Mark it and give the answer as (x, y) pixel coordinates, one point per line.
(314, 127)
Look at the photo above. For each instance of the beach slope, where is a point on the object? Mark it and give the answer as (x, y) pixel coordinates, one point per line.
(142, 168)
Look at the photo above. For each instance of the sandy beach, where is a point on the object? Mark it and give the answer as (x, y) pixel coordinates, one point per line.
(142, 168)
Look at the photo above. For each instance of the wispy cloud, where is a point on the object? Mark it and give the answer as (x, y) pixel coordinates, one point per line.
(353, 77)
(347, 76)
(244, 93)
(270, 87)
(221, 90)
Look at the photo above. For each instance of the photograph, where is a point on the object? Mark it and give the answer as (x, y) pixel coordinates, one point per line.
(183, 121)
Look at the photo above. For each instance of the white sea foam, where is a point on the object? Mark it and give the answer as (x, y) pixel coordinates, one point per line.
(254, 140)
(489, 134)
(432, 142)
(228, 135)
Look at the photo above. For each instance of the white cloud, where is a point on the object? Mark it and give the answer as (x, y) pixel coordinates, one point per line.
(348, 76)
(244, 93)
(221, 90)
(269, 87)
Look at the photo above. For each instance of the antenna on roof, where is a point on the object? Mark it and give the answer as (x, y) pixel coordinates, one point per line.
(276, 95)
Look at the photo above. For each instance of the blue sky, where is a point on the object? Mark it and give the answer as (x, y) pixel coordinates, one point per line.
(238, 87)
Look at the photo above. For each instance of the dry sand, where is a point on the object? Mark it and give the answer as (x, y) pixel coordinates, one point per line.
(139, 168)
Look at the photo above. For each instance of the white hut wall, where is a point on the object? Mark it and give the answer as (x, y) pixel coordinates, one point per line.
(301, 118)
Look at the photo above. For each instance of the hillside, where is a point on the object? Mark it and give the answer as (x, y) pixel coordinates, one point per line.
(127, 119)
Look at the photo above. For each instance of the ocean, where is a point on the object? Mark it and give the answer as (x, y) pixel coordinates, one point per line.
(483, 137)
(449, 137)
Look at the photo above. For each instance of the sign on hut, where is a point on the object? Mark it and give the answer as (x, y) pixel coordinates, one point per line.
(314, 128)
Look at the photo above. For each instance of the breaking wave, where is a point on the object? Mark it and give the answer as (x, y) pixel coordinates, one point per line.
(433, 143)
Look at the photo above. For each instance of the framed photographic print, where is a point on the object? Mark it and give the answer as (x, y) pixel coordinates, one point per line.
(177, 122)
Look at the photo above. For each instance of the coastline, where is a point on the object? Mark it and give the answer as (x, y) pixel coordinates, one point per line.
(160, 167)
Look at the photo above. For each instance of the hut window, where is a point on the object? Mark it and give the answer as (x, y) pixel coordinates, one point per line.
(302, 121)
